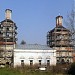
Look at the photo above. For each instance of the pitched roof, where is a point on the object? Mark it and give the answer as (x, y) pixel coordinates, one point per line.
(59, 28)
(7, 20)
(33, 46)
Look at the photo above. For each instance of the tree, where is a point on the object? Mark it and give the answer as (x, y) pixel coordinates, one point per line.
(70, 24)
(23, 42)
(71, 70)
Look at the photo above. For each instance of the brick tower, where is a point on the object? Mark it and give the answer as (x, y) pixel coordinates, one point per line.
(7, 38)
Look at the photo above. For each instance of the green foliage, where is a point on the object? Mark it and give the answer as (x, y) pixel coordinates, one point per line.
(27, 70)
(23, 42)
(21, 71)
(8, 71)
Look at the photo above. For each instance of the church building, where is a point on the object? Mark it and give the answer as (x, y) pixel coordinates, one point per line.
(34, 54)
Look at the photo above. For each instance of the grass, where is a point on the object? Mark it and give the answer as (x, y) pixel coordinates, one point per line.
(6, 71)
(10, 71)
(53, 70)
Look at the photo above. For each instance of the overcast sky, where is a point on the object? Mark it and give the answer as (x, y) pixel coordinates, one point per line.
(34, 18)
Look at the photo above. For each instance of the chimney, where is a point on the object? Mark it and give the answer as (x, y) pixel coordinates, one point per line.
(59, 21)
(8, 13)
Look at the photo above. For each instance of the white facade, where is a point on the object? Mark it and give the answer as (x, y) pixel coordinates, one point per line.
(34, 55)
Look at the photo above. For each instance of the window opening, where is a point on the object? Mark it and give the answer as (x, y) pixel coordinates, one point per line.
(31, 62)
(22, 63)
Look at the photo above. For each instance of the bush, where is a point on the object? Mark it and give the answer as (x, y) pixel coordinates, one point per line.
(71, 70)
(57, 69)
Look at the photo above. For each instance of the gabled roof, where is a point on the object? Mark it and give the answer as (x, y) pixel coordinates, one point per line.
(33, 46)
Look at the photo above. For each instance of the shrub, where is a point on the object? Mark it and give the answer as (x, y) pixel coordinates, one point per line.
(71, 70)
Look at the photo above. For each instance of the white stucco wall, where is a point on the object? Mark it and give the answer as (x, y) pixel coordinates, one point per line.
(35, 55)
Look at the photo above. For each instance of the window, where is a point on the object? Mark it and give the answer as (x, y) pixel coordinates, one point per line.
(7, 29)
(39, 62)
(22, 63)
(58, 61)
(7, 34)
(31, 62)
(62, 61)
(10, 35)
(48, 62)
(67, 61)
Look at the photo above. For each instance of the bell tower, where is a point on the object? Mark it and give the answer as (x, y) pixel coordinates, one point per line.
(7, 38)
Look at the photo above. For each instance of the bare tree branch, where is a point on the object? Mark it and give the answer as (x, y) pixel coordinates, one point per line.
(70, 24)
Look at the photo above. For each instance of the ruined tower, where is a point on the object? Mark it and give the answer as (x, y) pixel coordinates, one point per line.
(7, 38)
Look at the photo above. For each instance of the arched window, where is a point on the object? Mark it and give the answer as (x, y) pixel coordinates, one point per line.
(31, 62)
(22, 63)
